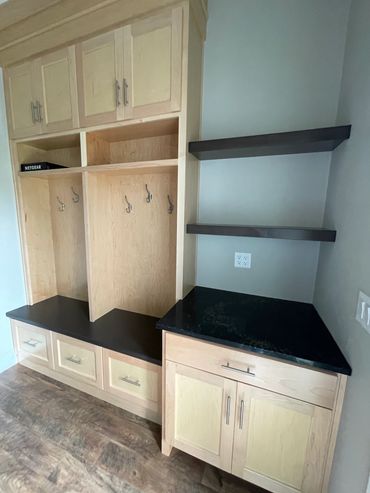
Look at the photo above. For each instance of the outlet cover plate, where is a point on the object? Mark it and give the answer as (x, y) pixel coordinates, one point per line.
(242, 260)
(363, 311)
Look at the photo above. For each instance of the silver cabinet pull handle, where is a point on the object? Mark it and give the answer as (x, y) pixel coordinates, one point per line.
(33, 112)
(74, 359)
(228, 403)
(39, 113)
(232, 368)
(130, 381)
(241, 415)
(117, 89)
(32, 342)
(125, 87)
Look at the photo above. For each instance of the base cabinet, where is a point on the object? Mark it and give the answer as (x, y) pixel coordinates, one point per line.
(201, 410)
(276, 441)
(280, 443)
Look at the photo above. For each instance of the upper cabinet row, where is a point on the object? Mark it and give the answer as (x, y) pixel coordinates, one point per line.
(132, 72)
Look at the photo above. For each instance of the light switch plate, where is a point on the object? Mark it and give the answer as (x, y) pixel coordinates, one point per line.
(242, 260)
(363, 311)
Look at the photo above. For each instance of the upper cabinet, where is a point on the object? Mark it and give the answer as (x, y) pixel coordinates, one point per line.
(152, 65)
(56, 90)
(99, 76)
(41, 95)
(131, 72)
(21, 101)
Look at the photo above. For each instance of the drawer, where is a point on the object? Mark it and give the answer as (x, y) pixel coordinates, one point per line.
(308, 385)
(132, 379)
(32, 344)
(77, 359)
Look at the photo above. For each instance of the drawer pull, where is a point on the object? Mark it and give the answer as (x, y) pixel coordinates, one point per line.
(32, 342)
(228, 403)
(241, 415)
(74, 359)
(247, 372)
(130, 381)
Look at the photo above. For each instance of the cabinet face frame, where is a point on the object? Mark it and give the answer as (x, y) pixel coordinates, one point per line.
(173, 20)
(221, 457)
(30, 126)
(114, 40)
(66, 55)
(313, 422)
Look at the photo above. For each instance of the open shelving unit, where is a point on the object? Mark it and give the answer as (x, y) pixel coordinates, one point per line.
(298, 142)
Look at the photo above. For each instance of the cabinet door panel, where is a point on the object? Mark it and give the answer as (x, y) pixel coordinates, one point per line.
(280, 442)
(20, 97)
(98, 73)
(152, 65)
(200, 409)
(57, 90)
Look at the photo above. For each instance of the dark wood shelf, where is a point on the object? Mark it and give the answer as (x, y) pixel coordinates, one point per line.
(277, 232)
(298, 142)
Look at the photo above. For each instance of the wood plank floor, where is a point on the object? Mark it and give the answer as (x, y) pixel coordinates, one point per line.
(56, 439)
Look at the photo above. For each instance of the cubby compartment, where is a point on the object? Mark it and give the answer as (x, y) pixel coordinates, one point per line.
(131, 224)
(150, 144)
(64, 150)
(54, 235)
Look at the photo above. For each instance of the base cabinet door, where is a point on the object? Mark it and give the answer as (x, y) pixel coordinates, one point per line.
(200, 409)
(152, 65)
(280, 443)
(21, 101)
(57, 90)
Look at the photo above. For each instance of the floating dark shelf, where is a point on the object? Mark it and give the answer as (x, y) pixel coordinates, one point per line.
(277, 232)
(302, 141)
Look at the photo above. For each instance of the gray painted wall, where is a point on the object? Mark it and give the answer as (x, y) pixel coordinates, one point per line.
(269, 66)
(11, 276)
(344, 268)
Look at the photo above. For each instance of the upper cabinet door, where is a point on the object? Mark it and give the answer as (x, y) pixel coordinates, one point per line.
(152, 65)
(200, 409)
(99, 75)
(57, 91)
(21, 103)
(280, 443)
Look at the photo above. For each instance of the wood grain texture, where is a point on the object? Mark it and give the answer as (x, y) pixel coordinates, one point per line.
(55, 438)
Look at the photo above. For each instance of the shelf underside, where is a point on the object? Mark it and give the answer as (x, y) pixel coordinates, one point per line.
(298, 142)
(276, 232)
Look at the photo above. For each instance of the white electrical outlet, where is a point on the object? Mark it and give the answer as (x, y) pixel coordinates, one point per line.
(368, 486)
(363, 311)
(242, 260)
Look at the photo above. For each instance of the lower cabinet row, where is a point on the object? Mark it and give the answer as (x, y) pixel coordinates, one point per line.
(124, 381)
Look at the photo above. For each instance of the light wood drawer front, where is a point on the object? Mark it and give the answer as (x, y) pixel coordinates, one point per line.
(288, 379)
(32, 343)
(131, 378)
(78, 359)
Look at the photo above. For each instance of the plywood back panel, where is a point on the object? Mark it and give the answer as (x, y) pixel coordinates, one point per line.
(132, 255)
(38, 238)
(69, 237)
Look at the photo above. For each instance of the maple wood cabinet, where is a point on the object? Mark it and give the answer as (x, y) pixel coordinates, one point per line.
(235, 422)
(41, 95)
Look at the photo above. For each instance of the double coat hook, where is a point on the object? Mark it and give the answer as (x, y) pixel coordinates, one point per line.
(75, 196)
(128, 209)
(61, 206)
(149, 196)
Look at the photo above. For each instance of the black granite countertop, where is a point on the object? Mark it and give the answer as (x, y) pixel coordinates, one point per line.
(287, 330)
(119, 330)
